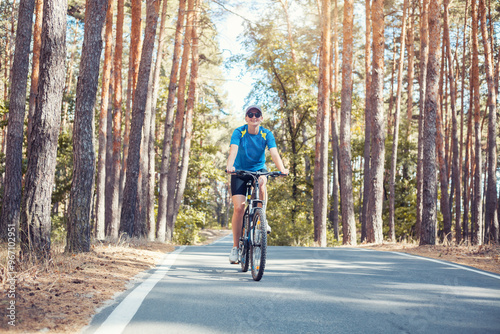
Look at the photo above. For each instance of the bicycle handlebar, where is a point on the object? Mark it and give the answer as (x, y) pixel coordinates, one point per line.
(257, 173)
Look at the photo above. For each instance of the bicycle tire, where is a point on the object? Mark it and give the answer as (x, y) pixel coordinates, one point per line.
(244, 254)
(258, 249)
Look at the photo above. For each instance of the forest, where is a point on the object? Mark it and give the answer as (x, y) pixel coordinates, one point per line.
(114, 119)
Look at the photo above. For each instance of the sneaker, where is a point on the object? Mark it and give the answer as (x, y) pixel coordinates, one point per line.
(233, 257)
(268, 229)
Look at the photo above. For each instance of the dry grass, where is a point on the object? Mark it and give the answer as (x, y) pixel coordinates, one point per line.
(61, 295)
(485, 257)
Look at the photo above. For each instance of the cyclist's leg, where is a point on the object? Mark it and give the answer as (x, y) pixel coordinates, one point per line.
(239, 210)
(263, 189)
(263, 196)
(238, 189)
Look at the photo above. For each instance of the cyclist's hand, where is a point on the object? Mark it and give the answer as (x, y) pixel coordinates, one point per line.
(230, 170)
(285, 172)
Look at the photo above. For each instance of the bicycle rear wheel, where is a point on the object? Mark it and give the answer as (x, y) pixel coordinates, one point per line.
(243, 251)
(258, 249)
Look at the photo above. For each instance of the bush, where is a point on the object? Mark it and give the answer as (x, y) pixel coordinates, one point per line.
(189, 222)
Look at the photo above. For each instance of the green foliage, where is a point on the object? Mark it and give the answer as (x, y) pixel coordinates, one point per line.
(206, 183)
(4, 110)
(64, 168)
(189, 223)
(58, 232)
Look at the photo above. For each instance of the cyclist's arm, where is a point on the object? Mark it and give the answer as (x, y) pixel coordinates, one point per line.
(233, 151)
(277, 160)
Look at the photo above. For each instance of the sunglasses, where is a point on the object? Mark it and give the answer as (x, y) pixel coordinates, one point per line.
(257, 114)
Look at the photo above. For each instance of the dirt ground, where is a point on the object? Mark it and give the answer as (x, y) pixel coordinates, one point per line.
(61, 295)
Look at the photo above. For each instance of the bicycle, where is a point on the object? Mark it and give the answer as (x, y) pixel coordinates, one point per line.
(253, 241)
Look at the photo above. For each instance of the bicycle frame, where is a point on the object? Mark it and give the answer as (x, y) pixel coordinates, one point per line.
(253, 225)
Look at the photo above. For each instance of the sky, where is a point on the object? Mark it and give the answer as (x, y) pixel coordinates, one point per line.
(238, 83)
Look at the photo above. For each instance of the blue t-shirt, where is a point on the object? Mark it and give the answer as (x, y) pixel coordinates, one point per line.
(251, 148)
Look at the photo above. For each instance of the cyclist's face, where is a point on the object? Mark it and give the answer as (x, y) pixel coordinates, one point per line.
(254, 120)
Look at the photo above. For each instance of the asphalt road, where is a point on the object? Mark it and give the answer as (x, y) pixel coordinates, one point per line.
(305, 290)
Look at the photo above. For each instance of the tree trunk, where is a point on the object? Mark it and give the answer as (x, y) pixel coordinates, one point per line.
(11, 207)
(468, 179)
(376, 196)
(462, 143)
(35, 68)
(156, 83)
(442, 147)
(322, 125)
(117, 122)
(424, 36)
(394, 157)
(103, 127)
(78, 226)
(391, 95)
(178, 127)
(429, 211)
(411, 70)
(491, 218)
(140, 99)
(368, 124)
(477, 225)
(346, 192)
(443, 173)
(134, 60)
(162, 200)
(189, 112)
(334, 116)
(453, 97)
(142, 199)
(39, 179)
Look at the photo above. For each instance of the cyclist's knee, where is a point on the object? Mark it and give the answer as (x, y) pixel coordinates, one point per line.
(239, 208)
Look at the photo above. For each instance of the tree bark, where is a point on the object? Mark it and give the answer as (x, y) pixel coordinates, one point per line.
(178, 126)
(11, 207)
(443, 174)
(117, 122)
(491, 218)
(162, 200)
(322, 126)
(477, 223)
(455, 172)
(78, 226)
(189, 111)
(140, 99)
(103, 127)
(376, 196)
(394, 157)
(462, 143)
(368, 124)
(39, 179)
(156, 83)
(142, 199)
(134, 60)
(334, 119)
(411, 70)
(35, 67)
(424, 50)
(346, 195)
(429, 211)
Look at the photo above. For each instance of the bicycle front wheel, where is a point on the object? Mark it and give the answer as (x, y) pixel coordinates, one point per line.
(243, 252)
(258, 250)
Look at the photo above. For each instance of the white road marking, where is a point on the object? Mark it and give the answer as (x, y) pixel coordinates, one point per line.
(450, 264)
(484, 273)
(125, 311)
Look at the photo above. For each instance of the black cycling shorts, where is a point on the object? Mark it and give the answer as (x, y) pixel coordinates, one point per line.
(239, 183)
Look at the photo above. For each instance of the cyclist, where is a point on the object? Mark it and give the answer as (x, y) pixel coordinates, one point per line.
(247, 152)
